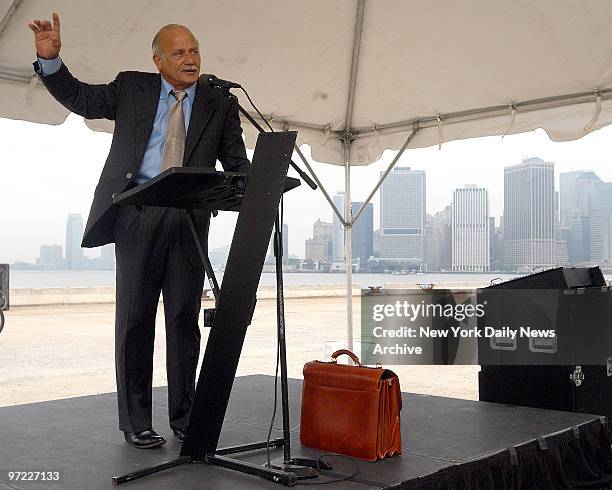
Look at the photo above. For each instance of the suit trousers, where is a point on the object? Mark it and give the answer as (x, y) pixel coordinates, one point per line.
(156, 253)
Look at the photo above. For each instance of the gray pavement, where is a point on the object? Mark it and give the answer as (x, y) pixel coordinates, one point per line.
(52, 352)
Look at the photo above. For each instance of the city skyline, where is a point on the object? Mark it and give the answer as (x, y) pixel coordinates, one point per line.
(52, 256)
(532, 205)
(536, 231)
(41, 192)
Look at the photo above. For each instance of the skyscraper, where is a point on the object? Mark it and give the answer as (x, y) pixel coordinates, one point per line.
(402, 216)
(601, 225)
(362, 237)
(439, 246)
(432, 260)
(496, 245)
(529, 214)
(587, 192)
(568, 201)
(338, 235)
(74, 235)
(471, 229)
(578, 195)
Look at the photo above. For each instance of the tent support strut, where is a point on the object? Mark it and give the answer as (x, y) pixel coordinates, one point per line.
(318, 182)
(384, 175)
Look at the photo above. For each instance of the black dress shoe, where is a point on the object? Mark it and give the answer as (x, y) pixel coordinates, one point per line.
(180, 434)
(146, 439)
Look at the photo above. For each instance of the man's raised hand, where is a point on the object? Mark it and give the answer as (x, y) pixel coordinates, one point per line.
(47, 37)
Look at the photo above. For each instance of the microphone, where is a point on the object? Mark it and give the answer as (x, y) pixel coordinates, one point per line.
(213, 81)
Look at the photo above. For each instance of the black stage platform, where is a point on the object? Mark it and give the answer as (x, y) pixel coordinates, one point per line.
(448, 443)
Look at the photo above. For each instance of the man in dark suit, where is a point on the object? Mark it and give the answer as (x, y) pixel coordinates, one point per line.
(154, 248)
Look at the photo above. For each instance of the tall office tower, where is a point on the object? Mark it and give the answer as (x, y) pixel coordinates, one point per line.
(587, 192)
(471, 229)
(74, 235)
(568, 201)
(496, 247)
(442, 236)
(529, 215)
(601, 225)
(338, 235)
(362, 237)
(432, 259)
(402, 216)
(578, 193)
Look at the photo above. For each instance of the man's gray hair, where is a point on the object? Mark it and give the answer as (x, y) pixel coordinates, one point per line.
(155, 44)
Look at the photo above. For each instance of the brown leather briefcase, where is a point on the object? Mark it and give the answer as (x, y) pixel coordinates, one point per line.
(352, 410)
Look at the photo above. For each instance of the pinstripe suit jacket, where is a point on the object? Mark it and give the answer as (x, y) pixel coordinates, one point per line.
(131, 101)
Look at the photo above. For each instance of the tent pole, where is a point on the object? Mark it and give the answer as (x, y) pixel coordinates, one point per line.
(348, 249)
(347, 138)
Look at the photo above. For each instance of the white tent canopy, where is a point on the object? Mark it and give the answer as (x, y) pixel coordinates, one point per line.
(465, 63)
(353, 77)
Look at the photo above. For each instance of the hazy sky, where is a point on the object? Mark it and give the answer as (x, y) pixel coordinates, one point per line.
(48, 172)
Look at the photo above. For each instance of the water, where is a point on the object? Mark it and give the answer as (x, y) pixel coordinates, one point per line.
(57, 279)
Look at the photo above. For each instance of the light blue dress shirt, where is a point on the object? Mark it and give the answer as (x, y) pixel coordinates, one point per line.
(152, 160)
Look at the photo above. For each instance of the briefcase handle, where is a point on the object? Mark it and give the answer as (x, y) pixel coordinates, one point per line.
(340, 352)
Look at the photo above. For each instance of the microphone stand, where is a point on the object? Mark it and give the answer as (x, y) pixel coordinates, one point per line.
(302, 467)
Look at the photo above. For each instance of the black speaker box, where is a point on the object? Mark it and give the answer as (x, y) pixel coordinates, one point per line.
(577, 377)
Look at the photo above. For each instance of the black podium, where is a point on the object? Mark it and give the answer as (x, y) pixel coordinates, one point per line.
(256, 197)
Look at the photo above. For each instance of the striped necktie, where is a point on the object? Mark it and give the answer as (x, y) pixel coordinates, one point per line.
(174, 144)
